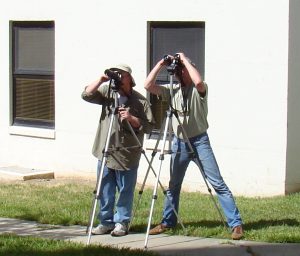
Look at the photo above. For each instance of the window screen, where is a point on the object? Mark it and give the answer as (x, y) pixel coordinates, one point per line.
(33, 73)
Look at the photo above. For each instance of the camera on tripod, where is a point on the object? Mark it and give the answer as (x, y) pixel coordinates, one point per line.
(115, 77)
(174, 65)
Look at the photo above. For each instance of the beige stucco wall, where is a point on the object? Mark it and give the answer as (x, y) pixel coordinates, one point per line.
(246, 64)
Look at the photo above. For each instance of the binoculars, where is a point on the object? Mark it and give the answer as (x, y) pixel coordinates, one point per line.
(174, 65)
(115, 77)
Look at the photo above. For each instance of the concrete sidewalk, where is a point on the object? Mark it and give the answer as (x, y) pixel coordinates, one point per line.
(161, 244)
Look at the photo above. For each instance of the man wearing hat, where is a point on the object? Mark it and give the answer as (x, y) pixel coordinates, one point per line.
(120, 171)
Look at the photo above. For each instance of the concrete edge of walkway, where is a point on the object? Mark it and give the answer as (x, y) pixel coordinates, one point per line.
(19, 173)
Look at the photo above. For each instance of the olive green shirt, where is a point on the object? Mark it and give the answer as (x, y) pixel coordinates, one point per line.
(128, 154)
(191, 108)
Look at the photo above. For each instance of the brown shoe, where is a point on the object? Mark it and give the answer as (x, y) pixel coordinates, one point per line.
(237, 233)
(161, 228)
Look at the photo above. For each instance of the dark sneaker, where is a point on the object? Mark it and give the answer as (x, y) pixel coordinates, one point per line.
(161, 228)
(237, 233)
(120, 230)
(102, 229)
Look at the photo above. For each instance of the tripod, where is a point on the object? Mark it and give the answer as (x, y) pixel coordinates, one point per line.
(167, 127)
(107, 151)
(167, 131)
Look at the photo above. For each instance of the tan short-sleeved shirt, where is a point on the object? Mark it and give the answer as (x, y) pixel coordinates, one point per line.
(191, 108)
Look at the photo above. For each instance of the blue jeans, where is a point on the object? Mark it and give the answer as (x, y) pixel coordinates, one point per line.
(112, 211)
(179, 164)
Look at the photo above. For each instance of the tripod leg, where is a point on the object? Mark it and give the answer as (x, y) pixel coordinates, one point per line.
(143, 186)
(163, 189)
(209, 190)
(99, 180)
(93, 212)
(147, 172)
(154, 196)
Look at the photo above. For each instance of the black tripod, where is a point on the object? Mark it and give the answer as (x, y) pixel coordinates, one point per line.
(167, 132)
(110, 151)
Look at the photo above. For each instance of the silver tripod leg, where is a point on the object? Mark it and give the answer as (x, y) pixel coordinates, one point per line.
(161, 157)
(99, 181)
(160, 184)
(147, 173)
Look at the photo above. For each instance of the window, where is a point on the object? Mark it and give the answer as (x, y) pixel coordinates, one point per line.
(33, 73)
(170, 38)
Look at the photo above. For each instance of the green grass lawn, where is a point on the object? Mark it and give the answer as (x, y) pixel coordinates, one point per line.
(274, 219)
(12, 245)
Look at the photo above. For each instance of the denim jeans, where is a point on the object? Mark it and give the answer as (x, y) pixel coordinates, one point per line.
(111, 210)
(179, 163)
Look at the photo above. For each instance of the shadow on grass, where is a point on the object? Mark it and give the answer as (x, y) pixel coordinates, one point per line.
(256, 225)
(58, 220)
(260, 224)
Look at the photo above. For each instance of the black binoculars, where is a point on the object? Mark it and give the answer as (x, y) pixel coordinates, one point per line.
(174, 65)
(115, 78)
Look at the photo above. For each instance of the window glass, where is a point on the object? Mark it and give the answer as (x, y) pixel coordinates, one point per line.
(34, 50)
(33, 74)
